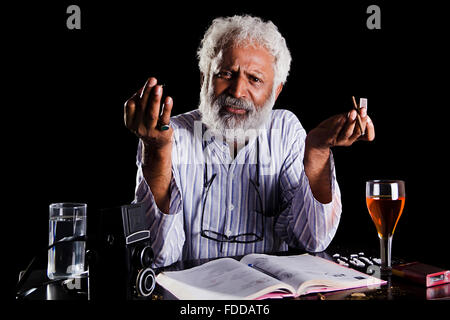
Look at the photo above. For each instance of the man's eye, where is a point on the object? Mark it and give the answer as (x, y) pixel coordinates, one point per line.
(224, 74)
(255, 79)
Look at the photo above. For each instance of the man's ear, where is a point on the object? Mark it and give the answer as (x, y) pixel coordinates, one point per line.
(278, 90)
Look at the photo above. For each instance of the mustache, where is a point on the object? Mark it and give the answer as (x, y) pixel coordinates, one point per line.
(227, 100)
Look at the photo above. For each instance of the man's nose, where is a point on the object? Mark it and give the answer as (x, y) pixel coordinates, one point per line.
(238, 87)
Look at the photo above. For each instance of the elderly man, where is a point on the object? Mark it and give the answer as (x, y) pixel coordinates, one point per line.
(234, 176)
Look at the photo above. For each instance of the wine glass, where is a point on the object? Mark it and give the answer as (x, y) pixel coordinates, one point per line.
(385, 201)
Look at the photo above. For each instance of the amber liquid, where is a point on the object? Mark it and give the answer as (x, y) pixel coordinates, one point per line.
(385, 213)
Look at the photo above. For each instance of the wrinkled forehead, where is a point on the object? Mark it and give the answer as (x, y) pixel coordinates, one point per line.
(248, 55)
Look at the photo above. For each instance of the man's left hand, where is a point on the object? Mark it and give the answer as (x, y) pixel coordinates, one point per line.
(341, 130)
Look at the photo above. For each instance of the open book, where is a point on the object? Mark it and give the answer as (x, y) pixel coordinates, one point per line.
(260, 276)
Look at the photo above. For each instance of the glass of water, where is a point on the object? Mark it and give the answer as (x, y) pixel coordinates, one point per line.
(66, 259)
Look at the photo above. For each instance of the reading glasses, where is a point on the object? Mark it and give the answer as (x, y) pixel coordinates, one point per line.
(248, 237)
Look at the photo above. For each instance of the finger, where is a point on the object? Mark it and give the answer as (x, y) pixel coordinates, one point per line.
(140, 106)
(360, 128)
(149, 84)
(144, 94)
(336, 128)
(370, 130)
(130, 107)
(349, 128)
(153, 108)
(363, 117)
(355, 135)
(140, 91)
(167, 110)
(129, 113)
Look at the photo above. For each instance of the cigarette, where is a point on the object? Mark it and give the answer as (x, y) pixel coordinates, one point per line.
(358, 118)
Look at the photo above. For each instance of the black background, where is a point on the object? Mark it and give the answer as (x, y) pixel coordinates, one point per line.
(63, 113)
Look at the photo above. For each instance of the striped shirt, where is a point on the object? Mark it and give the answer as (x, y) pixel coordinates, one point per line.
(292, 216)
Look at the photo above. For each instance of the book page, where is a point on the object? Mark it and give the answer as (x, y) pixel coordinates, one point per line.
(302, 271)
(219, 279)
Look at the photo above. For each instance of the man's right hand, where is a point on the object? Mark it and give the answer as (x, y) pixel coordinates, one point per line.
(142, 117)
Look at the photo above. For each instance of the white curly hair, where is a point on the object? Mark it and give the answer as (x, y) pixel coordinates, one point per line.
(236, 30)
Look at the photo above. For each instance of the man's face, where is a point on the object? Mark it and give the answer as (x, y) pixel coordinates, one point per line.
(245, 73)
(242, 92)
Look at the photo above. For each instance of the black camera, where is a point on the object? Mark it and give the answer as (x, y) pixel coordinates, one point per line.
(122, 269)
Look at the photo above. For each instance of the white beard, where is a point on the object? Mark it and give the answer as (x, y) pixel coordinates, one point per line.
(233, 126)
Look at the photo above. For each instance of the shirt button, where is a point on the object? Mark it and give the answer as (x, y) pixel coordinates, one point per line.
(231, 207)
(228, 233)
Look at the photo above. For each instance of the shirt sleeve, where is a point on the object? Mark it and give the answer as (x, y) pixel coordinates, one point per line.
(305, 222)
(166, 230)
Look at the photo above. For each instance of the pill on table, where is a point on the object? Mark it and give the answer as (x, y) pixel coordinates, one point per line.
(363, 103)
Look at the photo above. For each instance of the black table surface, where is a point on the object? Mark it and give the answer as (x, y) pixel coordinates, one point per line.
(395, 289)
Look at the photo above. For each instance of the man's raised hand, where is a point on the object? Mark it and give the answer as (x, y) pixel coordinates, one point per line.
(342, 130)
(143, 116)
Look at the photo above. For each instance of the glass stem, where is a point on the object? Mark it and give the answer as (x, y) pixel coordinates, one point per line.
(385, 254)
